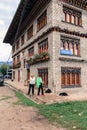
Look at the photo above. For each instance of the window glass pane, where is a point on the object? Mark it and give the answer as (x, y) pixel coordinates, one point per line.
(63, 79)
(77, 79)
(73, 19)
(73, 78)
(76, 20)
(68, 78)
(68, 18)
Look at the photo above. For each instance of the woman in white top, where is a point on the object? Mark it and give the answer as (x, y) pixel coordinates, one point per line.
(31, 84)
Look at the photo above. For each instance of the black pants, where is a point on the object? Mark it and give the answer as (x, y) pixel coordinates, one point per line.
(31, 86)
(40, 89)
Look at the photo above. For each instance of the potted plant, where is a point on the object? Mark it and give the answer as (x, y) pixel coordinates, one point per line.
(45, 55)
(30, 61)
(36, 57)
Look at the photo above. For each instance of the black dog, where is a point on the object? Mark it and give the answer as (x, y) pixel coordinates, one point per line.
(63, 94)
(48, 91)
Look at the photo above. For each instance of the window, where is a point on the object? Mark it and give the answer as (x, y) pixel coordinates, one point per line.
(23, 52)
(31, 51)
(72, 16)
(42, 21)
(70, 77)
(70, 46)
(14, 62)
(43, 46)
(13, 48)
(17, 45)
(22, 40)
(18, 75)
(44, 74)
(30, 32)
(18, 58)
(13, 75)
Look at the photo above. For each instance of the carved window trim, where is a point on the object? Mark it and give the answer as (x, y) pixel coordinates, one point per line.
(13, 75)
(22, 40)
(70, 77)
(70, 44)
(13, 48)
(31, 51)
(78, 3)
(43, 46)
(14, 61)
(69, 13)
(17, 45)
(18, 58)
(42, 20)
(30, 32)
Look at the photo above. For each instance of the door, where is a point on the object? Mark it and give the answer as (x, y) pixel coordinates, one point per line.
(28, 74)
(18, 75)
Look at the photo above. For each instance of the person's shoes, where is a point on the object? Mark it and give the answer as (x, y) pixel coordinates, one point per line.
(29, 95)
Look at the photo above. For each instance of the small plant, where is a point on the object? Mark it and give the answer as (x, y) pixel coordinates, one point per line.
(45, 54)
(39, 58)
(30, 61)
(36, 56)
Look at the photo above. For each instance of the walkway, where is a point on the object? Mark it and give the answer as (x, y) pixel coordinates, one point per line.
(48, 98)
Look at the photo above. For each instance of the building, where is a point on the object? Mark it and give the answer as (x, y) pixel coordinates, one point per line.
(49, 37)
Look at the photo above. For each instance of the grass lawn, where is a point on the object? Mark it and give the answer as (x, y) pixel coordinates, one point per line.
(72, 115)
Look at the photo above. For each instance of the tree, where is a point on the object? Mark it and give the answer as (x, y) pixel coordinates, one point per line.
(4, 68)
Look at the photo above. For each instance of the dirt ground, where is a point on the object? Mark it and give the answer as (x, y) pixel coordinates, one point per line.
(17, 117)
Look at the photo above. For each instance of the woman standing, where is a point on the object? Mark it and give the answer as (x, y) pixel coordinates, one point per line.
(39, 85)
(31, 84)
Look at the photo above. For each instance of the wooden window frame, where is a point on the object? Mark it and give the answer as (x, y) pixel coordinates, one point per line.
(43, 46)
(17, 45)
(14, 61)
(42, 20)
(68, 12)
(13, 48)
(30, 32)
(22, 40)
(69, 43)
(70, 77)
(31, 51)
(18, 58)
(13, 75)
